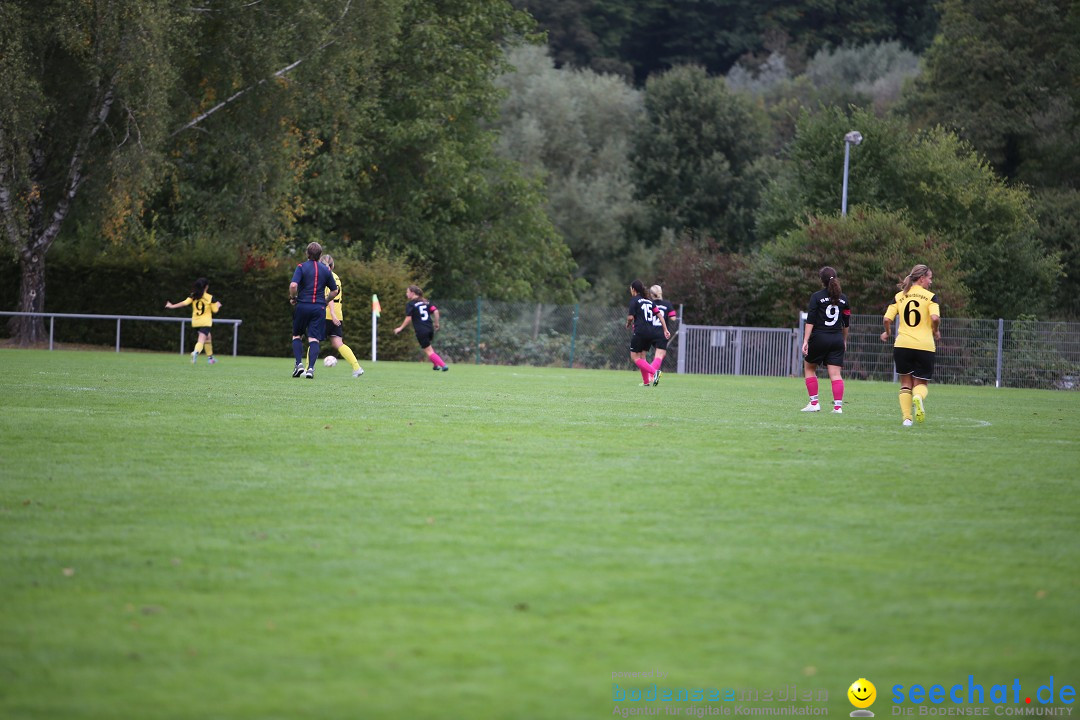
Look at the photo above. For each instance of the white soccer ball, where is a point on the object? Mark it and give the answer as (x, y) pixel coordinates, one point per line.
(330, 361)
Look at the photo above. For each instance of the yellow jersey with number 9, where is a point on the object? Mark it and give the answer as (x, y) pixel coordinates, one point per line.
(914, 308)
(202, 310)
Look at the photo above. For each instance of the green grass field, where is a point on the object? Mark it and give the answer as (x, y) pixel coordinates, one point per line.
(496, 542)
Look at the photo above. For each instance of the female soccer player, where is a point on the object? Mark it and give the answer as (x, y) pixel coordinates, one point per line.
(649, 326)
(825, 339)
(425, 321)
(334, 321)
(203, 307)
(914, 350)
(669, 314)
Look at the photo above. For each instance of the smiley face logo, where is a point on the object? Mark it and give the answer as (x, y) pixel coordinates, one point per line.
(862, 693)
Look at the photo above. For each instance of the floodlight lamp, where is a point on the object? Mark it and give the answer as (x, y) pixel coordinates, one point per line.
(854, 137)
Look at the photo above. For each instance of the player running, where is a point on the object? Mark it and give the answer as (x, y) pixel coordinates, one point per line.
(914, 350)
(425, 321)
(335, 320)
(650, 327)
(825, 339)
(203, 308)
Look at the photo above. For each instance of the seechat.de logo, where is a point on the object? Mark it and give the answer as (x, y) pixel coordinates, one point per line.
(862, 695)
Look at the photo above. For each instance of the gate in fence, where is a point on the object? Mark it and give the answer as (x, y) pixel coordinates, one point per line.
(739, 350)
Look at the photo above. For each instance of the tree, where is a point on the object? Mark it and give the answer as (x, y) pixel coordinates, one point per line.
(1002, 74)
(871, 250)
(410, 167)
(694, 155)
(85, 88)
(940, 185)
(572, 130)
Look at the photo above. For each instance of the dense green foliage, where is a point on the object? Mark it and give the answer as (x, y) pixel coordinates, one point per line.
(940, 185)
(573, 129)
(642, 38)
(694, 155)
(1003, 73)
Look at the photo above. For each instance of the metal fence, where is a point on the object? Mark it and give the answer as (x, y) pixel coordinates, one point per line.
(1001, 353)
(120, 318)
(501, 333)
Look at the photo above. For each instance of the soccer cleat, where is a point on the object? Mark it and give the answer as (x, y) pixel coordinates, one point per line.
(310, 374)
(211, 361)
(812, 407)
(838, 410)
(194, 356)
(298, 370)
(907, 422)
(645, 385)
(656, 377)
(358, 372)
(444, 368)
(920, 412)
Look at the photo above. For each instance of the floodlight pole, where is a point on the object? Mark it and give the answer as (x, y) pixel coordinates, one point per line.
(852, 138)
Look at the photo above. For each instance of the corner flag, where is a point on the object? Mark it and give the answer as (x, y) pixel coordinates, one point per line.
(376, 308)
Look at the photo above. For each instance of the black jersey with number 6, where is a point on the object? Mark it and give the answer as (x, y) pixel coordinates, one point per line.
(825, 316)
(420, 311)
(646, 318)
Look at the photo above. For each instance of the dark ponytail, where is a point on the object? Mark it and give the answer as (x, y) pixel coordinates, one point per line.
(639, 287)
(830, 281)
(199, 288)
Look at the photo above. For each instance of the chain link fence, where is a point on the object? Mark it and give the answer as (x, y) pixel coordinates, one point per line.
(1002, 353)
(486, 332)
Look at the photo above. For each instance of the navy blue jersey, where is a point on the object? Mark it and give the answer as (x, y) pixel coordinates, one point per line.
(420, 310)
(646, 318)
(312, 278)
(825, 316)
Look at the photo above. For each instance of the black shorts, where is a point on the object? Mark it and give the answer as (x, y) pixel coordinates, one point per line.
(205, 330)
(825, 349)
(917, 363)
(660, 343)
(423, 336)
(642, 343)
(334, 330)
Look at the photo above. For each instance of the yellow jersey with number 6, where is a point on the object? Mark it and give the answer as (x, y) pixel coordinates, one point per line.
(914, 308)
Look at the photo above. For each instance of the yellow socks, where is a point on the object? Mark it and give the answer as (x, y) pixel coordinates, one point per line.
(905, 402)
(920, 390)
(199, 347)
(209, 349)
(349, 356)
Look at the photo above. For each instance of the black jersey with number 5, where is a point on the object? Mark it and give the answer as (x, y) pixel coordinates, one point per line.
(646, 318)
(420, 311)
(825, 316)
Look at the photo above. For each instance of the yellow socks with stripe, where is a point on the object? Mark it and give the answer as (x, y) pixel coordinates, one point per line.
(905, 402)
(349, 356)
(199, 347)
(921, 391)
(209, 349)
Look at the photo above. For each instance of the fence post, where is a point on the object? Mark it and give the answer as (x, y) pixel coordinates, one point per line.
(52, 322)
(117, 334)
(182, 336)
(573, 336)
(479, 303)
(1001, 343)
(738, 351)
(235, 336)
(797, 350)
(679, 365)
